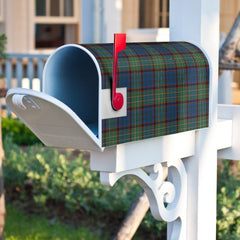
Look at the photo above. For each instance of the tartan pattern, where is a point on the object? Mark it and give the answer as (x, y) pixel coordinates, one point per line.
(167, 89)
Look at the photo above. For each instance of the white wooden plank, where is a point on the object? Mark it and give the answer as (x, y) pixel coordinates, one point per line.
(231, 112)
(144, 153)
(197, 21)
(224, 134)
(107, 110)
(53, 122)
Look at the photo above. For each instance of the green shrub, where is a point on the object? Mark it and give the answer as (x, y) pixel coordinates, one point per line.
(228, 205)
(3, 42)
(67, 179)
(19, 132)
(54, 177)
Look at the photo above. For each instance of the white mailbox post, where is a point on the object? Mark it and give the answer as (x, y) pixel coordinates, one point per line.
(198, 21)
(187, 200)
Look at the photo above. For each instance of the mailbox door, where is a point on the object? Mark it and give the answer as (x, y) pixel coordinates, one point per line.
(53, 122)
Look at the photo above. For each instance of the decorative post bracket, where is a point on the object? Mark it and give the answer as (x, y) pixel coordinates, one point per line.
(168, 199)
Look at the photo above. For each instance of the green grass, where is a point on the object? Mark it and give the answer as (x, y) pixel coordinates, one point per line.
(21, 227)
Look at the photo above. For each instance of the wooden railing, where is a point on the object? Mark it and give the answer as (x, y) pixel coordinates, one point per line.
(22, 70)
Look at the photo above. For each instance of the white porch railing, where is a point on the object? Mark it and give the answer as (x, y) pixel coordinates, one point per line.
(22, 70)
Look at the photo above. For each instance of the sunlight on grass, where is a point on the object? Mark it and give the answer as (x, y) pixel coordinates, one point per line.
(21, 227)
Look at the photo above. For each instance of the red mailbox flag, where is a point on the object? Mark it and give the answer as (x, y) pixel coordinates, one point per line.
(119, 45)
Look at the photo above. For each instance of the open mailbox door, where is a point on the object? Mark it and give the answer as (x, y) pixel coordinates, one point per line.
(53, 122)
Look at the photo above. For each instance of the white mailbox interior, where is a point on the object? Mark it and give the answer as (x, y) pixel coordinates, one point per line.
(71, 76)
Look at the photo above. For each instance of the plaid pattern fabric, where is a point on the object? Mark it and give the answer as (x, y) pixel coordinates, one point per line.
(167, 89)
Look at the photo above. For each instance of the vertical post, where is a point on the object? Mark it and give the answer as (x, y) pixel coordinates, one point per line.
(97, 21)
(197, 21)
(40, 66)
(30, 72)
(19, 72)
(225, 94)
(87, 21)
(8, 73)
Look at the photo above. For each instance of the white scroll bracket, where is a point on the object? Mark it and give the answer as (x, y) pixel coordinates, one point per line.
(168, 199)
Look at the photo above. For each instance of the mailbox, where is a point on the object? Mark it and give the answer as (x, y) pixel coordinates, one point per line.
(165, 90)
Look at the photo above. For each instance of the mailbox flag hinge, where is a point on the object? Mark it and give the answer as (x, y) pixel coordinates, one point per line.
(119, 45)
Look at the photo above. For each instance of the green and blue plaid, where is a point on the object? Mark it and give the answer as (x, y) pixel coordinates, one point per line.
(167, 89)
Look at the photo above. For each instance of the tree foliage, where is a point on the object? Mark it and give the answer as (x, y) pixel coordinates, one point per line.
(3, 41)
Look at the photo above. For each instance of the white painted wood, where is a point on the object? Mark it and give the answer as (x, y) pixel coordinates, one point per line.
(144, 153)
(225, 87)
(107, 110)
(224, 133)
(159, 192)
(54, 123)
(197, 21)
(112, 19)
(148, 35)
(98, 15)
(231, 112)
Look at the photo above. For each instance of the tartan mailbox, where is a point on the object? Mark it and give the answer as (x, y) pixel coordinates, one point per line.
(165, 87)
